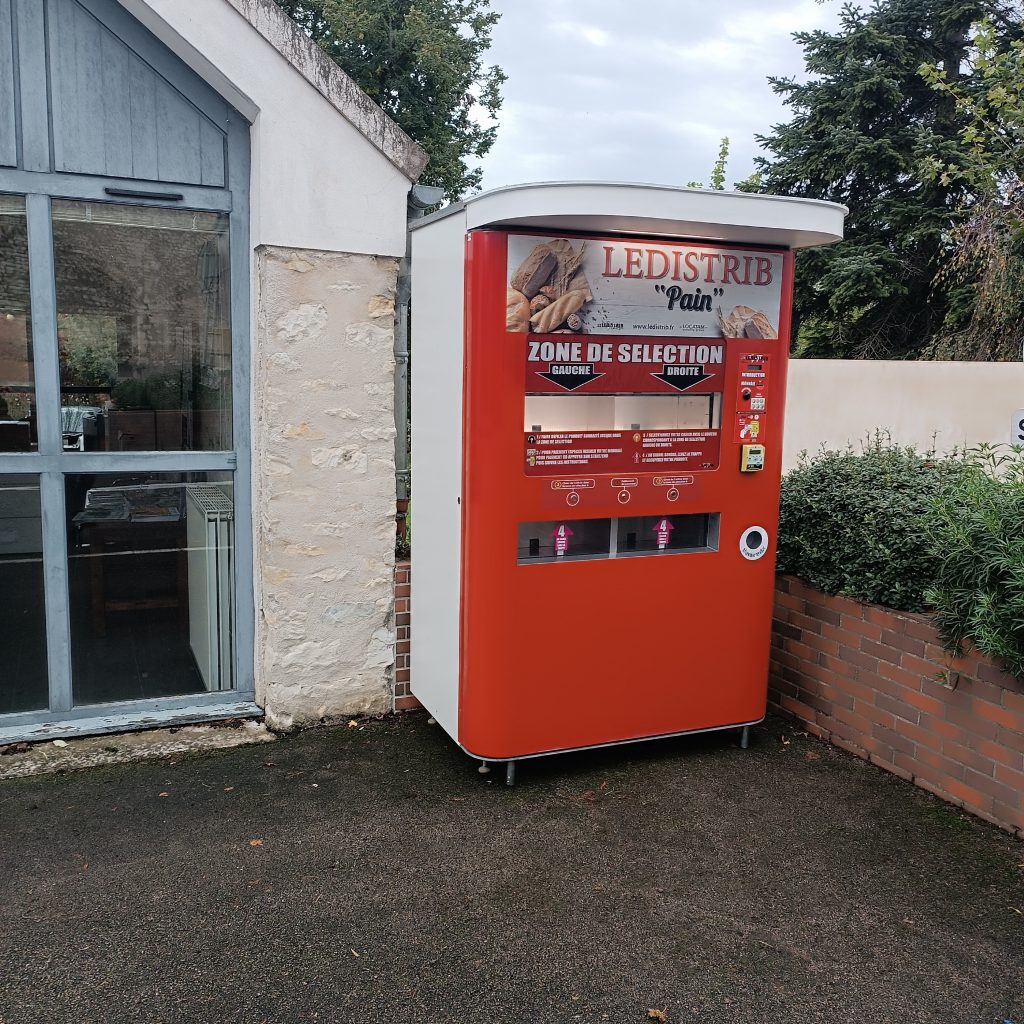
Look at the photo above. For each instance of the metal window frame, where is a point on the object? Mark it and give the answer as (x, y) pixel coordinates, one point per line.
(50, 463)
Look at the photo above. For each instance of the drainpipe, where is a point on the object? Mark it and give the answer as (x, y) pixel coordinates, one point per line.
(421, 199)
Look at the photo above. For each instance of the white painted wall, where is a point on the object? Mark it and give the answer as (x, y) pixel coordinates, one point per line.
(317, 182)
(840, 401)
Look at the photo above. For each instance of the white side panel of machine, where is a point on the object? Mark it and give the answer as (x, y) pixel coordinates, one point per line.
(438, 314)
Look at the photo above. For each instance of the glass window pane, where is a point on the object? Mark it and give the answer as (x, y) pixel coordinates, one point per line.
(144, 329)
(151, 584)
(17, 384)
(23, 682)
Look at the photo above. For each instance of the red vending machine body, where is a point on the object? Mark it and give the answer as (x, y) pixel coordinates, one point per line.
(621, 428)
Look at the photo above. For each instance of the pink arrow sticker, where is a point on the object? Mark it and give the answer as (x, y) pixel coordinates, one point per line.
(663, 528)
(561, 533)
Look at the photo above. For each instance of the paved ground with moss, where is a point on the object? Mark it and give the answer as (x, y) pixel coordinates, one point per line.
(372, 875)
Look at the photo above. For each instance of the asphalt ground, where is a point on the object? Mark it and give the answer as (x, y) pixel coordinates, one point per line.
(371, 874)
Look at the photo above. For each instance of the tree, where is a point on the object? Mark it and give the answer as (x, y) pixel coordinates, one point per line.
(867, 131)
(421, 61)
(988, 241)
(718, 169)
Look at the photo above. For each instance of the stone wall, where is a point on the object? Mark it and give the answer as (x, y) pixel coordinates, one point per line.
(878, 684)
(324, 484)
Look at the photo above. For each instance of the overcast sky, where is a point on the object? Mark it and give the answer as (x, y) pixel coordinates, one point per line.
(640, 90)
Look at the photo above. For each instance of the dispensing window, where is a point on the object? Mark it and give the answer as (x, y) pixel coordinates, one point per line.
(591, 413)
(646, 535)
(574, 540)
(563, 540)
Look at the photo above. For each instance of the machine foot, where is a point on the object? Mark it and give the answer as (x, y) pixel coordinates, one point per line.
(744, 737)
(484, 769)
(510, 773)
(431, 721)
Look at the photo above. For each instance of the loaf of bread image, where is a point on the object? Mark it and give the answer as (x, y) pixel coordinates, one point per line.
(745, 322)
(535, 271)
(517, 311)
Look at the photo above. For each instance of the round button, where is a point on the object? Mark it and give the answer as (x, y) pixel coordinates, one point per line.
(623, 497)
(754, 543)
(673, 493)
(572, 499)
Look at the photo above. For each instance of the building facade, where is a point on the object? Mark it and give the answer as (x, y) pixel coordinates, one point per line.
(201, 220)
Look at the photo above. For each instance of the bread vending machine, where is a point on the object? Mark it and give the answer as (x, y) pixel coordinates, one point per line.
(598, 395)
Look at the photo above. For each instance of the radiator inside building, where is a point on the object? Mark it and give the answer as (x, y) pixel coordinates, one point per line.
(210, 523)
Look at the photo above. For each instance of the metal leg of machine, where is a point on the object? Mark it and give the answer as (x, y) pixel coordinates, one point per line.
(745, 737)
(484, 768)
(510, 773)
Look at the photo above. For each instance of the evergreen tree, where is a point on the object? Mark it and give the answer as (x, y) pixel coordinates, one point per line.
(421, 61)
(868, 131)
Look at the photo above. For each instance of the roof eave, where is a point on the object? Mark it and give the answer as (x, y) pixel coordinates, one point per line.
(333, 84)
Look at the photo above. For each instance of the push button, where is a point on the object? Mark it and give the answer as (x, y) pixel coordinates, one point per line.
(623, 497)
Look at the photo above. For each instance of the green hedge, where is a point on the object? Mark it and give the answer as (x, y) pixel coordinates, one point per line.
(899, 527)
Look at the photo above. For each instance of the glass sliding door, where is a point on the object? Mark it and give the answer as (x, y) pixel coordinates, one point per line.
(126, 595)
(120, 570)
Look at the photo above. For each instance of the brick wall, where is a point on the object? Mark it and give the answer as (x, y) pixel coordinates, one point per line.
(878, 684)
(404, 700)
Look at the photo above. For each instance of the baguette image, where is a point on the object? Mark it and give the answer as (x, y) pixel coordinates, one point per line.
(558, 312)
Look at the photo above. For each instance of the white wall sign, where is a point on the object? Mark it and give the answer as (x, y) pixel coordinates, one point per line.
(1017, 427)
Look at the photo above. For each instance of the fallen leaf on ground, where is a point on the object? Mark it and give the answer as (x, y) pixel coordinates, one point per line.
(812, 755)
(163, 794)
(60, 743)
(657, 1015)
(227, 789)
(785, 741)
(255, 842)
(353, 724)
(354, 953)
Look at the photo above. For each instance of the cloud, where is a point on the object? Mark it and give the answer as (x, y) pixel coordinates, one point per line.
(640, 90)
